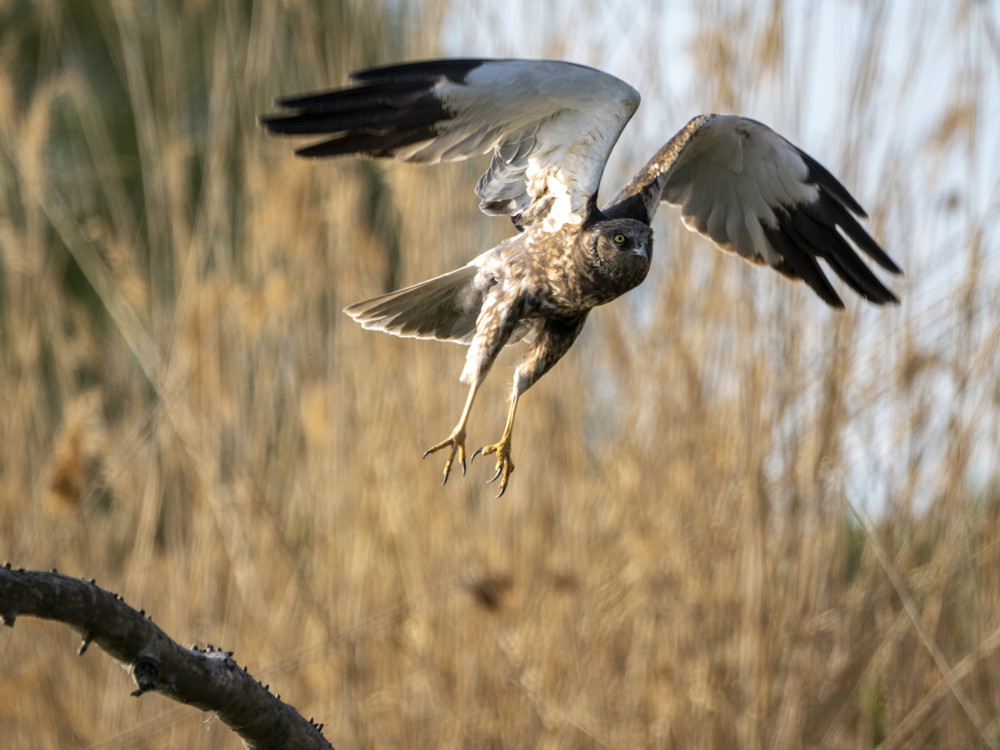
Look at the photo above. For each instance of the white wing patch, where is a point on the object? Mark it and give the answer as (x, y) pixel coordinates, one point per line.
(551, 126)
(730, 177)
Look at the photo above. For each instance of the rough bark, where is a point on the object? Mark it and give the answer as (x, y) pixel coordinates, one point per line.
(206, 678)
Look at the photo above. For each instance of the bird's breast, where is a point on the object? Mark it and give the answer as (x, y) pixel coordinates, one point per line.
(556, 274)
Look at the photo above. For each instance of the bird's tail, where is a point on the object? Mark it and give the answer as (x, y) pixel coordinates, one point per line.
(443, 308)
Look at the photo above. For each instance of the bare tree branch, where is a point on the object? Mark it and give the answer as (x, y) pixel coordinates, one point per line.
(208, 679)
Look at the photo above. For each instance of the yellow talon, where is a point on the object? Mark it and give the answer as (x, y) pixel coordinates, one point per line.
(504, 463)
(457, 442)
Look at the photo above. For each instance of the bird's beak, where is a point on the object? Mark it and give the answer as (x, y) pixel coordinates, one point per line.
(645, 250)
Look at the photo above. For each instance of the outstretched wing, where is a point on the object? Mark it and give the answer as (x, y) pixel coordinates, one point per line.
(755, 194)
(550, 125)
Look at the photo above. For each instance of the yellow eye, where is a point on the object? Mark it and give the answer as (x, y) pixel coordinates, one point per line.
(619, 239)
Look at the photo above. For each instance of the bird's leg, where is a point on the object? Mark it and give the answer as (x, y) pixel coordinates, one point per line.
(494, 325)
(457, 438)
(502, 448)
(553, 341)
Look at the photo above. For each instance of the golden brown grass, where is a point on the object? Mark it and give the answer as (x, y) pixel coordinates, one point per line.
(188, 417)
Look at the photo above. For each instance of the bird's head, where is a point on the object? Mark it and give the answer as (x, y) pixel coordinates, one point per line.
(621, 250)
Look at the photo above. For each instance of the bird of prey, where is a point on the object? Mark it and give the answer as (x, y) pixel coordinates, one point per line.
(550, 127)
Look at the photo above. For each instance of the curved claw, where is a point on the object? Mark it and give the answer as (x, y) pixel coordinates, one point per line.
(456, 441)
(473, 458)
(503, 474)
(504, 465)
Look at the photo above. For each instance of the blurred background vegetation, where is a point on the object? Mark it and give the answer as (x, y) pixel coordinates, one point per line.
(738, 518)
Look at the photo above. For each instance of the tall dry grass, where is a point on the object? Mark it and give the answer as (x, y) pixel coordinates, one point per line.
(738, 520)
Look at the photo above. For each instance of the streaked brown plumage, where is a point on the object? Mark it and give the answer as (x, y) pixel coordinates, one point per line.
(550, 127)
(538, 288)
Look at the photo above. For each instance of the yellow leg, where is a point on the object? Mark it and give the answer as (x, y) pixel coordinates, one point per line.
(502, 448)
(457, 438)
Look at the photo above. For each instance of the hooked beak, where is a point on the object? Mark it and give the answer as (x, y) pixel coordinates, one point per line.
(645, 249)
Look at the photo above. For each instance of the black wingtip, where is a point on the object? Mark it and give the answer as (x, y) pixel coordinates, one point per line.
(269, 122)
(453, 69)
(889, 298)
(825, 229)
(797, 264)
(821, 176)
(376, 119)
(836, 302)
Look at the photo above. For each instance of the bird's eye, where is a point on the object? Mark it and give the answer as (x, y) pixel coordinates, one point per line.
(619, 239)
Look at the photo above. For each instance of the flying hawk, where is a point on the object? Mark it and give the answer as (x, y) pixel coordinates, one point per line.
(550, 127)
